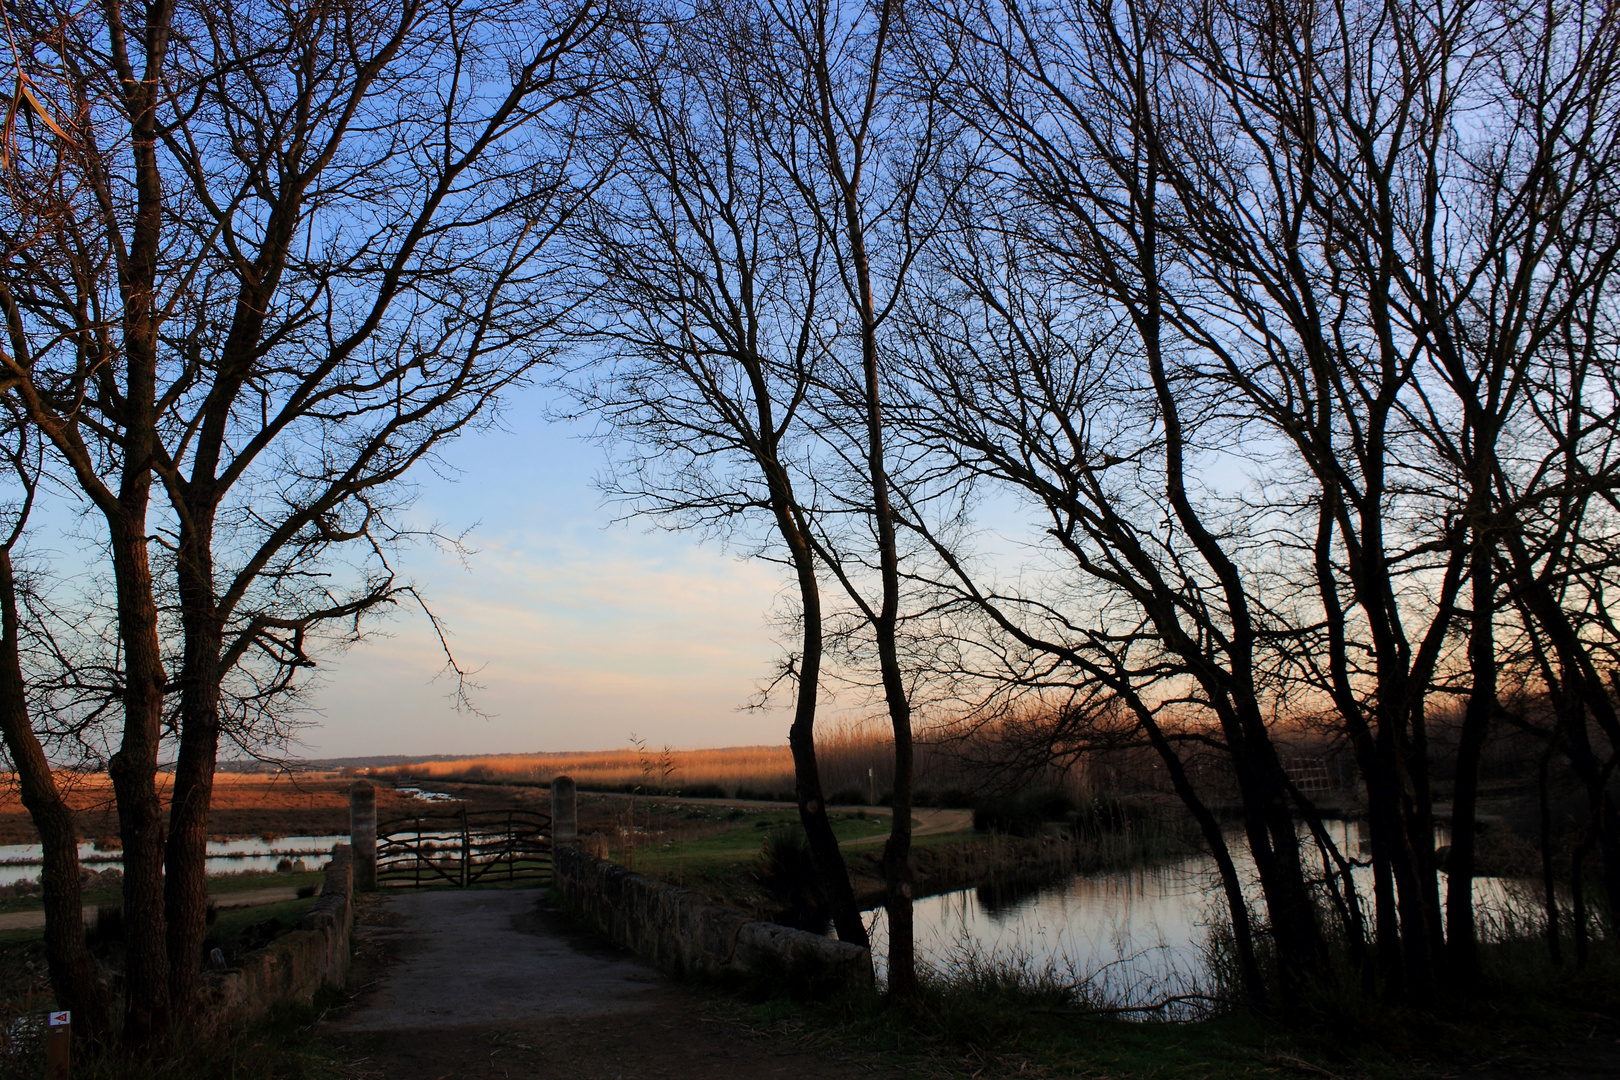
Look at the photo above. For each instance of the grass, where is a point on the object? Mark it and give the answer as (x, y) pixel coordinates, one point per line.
(217, 886)
(741, 840)
(283, 1046)
(763, 767)
(992, 1020)
(230, 923)
(712, 849)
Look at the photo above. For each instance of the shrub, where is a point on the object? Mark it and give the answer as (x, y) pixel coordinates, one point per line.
(1022, 815)
(786, 871)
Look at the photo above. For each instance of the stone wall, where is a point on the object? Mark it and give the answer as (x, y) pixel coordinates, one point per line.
(684, 933)
(294, 966)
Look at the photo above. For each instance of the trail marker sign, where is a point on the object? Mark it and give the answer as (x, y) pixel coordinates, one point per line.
(58, 1045)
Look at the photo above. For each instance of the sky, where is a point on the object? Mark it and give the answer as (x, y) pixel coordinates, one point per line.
(583, 630)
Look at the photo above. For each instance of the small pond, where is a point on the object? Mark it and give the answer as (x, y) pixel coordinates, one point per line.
(18, 861)
(1129, 937)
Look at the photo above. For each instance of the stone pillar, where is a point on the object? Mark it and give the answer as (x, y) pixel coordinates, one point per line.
(363, 834)
(564, 812)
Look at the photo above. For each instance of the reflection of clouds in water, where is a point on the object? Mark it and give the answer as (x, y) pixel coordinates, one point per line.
(20, 861)
(1122, 939)
(1136, 936)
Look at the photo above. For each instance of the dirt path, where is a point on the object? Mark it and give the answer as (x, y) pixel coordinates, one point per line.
(501, 984)
(34, 920)
(924, 823)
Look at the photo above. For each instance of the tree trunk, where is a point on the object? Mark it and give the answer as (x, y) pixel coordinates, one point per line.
(1461, 944)
(186, 853)
(829, 859)
(897, 885)
(73, 971)
(133, 770)
(1254, 985)
(1549, 881)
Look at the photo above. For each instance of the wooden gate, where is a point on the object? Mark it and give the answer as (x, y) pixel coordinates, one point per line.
(463, 848)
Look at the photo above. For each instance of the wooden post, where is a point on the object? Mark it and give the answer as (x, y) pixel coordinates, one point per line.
(363, 835)
(564, 812)
(466, 849)
(58, 1045)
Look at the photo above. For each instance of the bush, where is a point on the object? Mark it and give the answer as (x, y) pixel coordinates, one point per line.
(704, 791)
(847, 797)
(786, 871)
(1023, 815)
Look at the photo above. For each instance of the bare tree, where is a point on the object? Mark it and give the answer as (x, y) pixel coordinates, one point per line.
(281, 256)
(709, 291)
(871, 143)
(1077, 162)
(1322, 262)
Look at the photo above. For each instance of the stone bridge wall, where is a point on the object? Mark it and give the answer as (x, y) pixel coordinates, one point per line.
(294, 966)
(684, 933)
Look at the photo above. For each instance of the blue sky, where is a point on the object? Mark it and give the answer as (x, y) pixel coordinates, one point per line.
(584, 630)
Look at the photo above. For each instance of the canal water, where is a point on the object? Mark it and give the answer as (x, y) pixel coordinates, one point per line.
(18, 861)
(1131, 937)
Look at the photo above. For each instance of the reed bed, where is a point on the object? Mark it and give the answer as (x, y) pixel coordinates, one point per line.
(856, 764)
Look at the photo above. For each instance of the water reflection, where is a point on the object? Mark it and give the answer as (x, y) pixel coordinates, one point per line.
(18, 861)
(1132, 937)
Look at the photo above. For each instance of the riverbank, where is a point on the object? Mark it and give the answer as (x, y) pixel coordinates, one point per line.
(715, 849)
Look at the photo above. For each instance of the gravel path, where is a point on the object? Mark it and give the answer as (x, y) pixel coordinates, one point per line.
(478, 956)
(499, 983)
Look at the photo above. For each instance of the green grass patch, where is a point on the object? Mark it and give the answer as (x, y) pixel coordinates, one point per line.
(217, 886)
(230, 923)
(8, 938)
(229, 883)
(741, 842)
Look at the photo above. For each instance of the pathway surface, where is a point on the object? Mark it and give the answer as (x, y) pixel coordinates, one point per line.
(477, 956)
(499, 983)
(924, 822)
(34, 920)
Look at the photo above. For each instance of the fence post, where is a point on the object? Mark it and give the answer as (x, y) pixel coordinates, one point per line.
(363, 835)
(564, 812)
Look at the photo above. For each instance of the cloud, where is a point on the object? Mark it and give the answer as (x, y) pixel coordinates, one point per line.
(580, 639)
